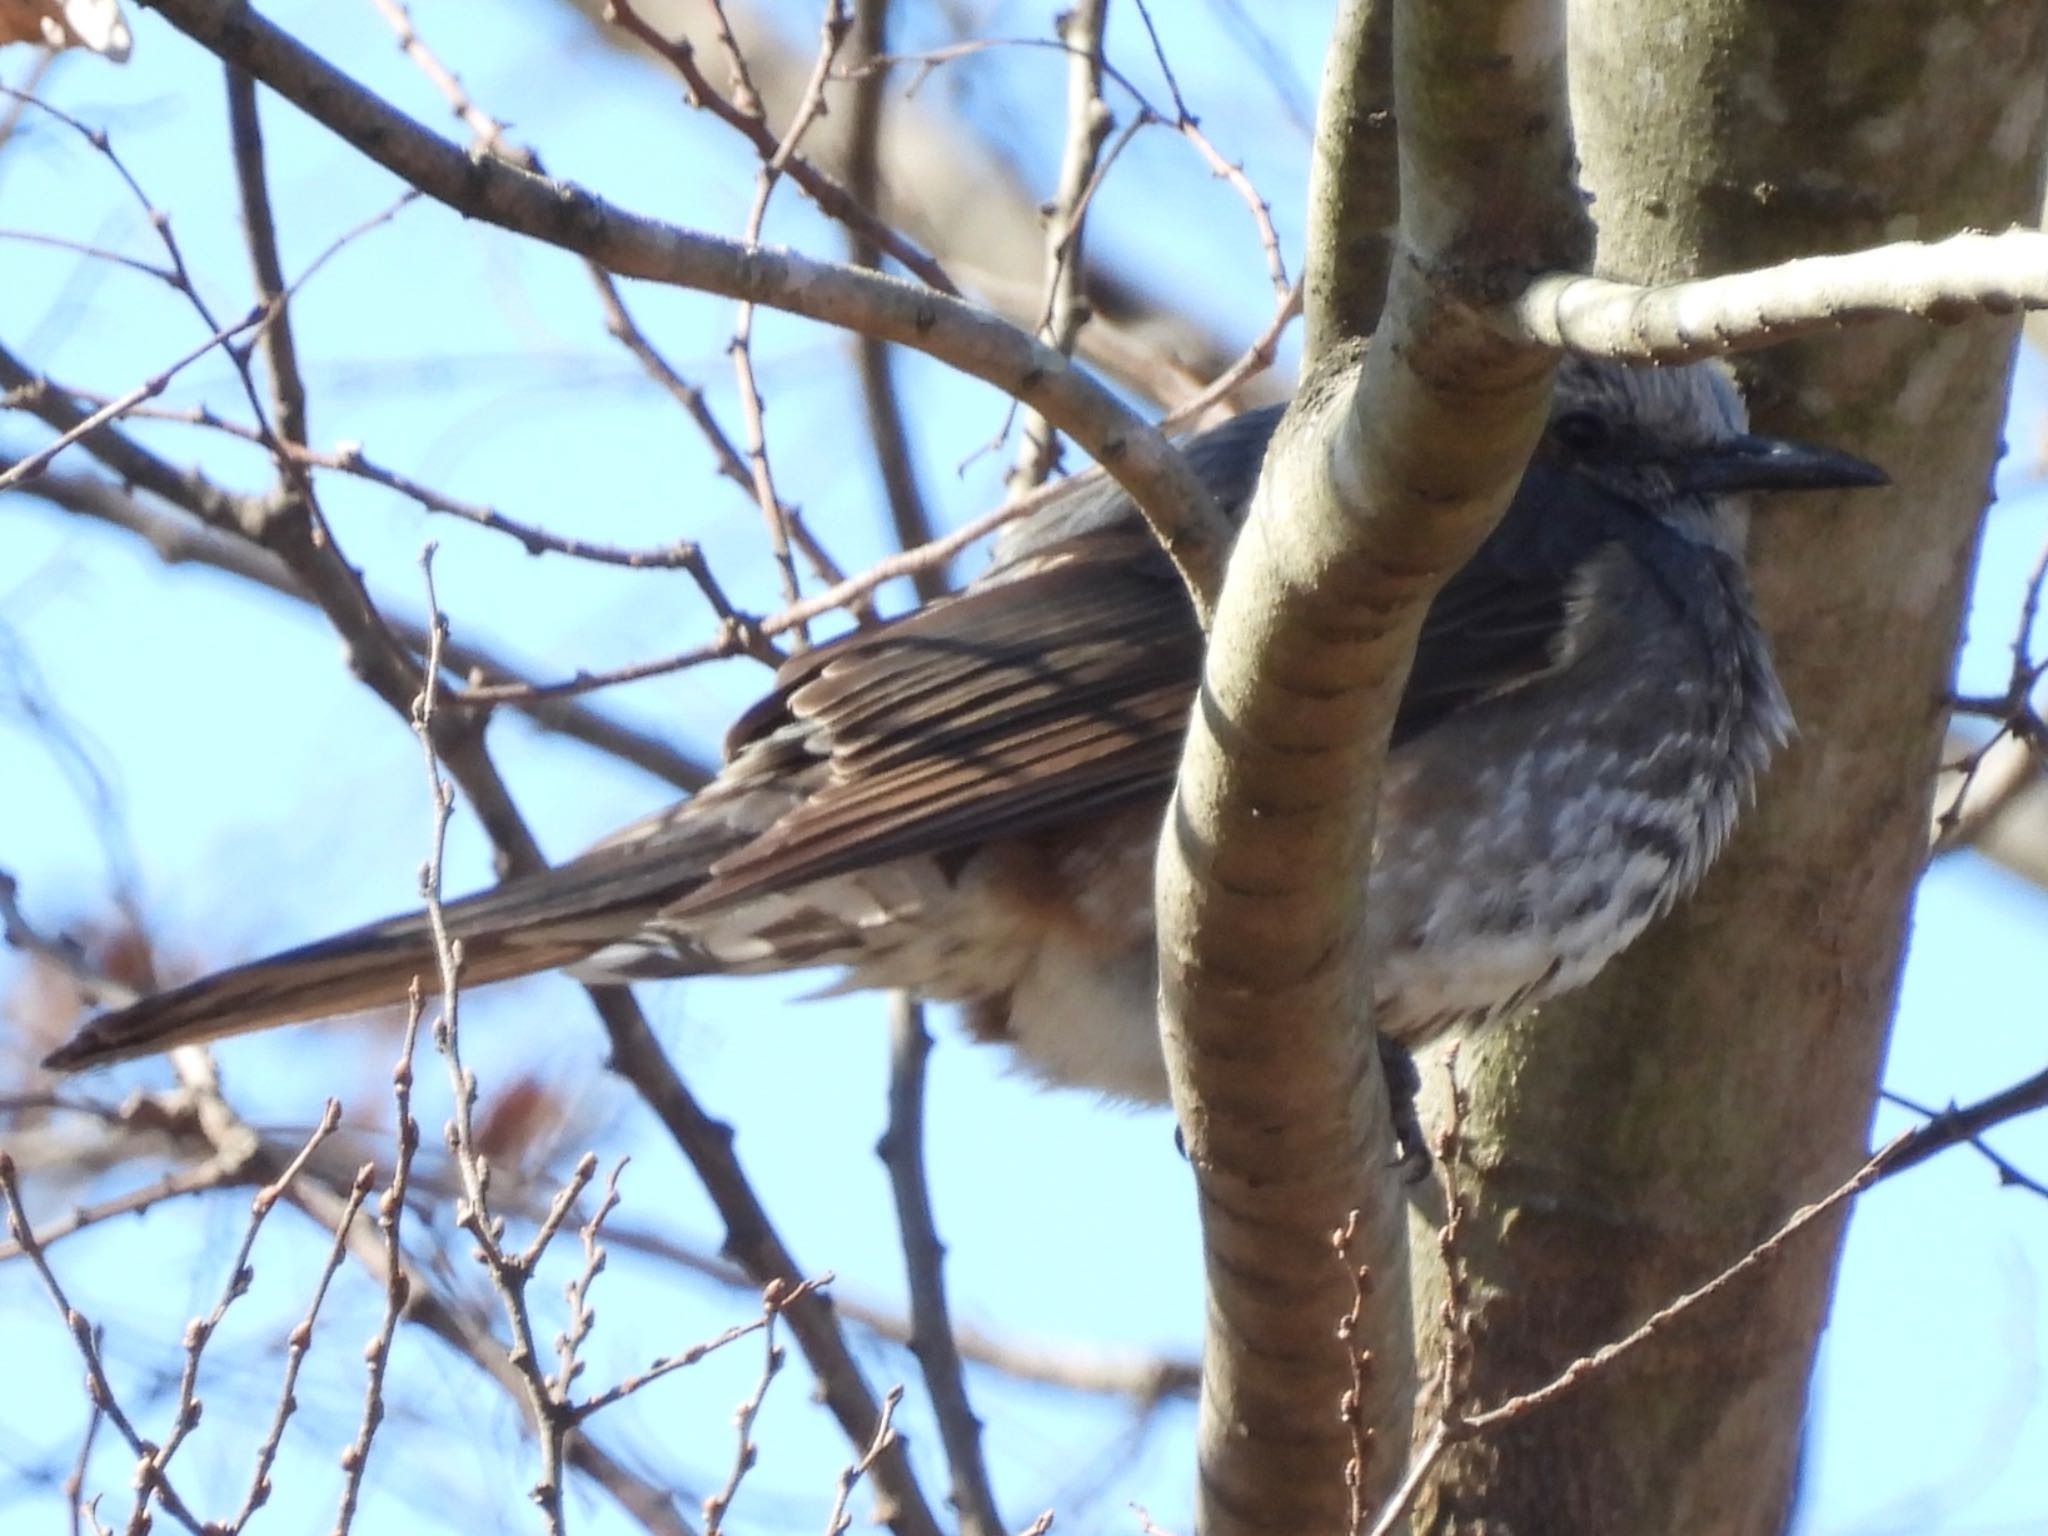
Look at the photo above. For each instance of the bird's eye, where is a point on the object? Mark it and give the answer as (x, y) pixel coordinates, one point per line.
(1582, 431)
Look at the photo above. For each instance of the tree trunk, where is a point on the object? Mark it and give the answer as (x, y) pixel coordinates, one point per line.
(1630, 1143)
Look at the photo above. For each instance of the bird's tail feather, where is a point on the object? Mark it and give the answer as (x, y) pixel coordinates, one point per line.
(353, 972)
(528, 924)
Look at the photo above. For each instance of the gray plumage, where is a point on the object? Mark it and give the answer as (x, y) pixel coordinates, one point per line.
(964, 802)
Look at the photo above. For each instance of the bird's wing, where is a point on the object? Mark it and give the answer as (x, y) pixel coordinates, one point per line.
(1503, 621)
(1063, 692)
(1025, 703)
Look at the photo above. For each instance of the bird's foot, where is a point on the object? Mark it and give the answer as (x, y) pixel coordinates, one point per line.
(1404, 1082)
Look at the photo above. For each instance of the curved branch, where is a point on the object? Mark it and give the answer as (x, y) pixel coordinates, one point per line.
(563, 214)
(1380, 483)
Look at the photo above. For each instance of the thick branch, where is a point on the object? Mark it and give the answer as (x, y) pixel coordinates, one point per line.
(1371, 497)
(1354, 180)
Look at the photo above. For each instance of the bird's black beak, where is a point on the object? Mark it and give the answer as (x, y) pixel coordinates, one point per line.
(1774, 464)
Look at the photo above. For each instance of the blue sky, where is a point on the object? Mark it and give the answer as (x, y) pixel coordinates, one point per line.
(266, 798)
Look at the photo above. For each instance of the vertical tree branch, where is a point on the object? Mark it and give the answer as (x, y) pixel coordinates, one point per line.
(909, 518)
(1380, 483)
(931, 1320)
(1088, 126)
(931, 1335)
(1354, 187)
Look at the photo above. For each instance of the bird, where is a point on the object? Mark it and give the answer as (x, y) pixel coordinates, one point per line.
(964, 801)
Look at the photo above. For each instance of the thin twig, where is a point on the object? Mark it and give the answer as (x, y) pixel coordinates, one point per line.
(885, 1436)
(198, 538)
(508, 1273)
(1453, 1370)
(1421, 1462)
(185, 1415)
(1955, 1127)
(490, 135)
(2010, 1174)
(1351, 1333)
(195, 1180)
(652, 1506)
(1175, 504)
(297, 1343)
(931, 1322)
(32, 464)
(924, 557)
(73, 1486)
(775, 1301)
(1088, 127)
(745, 1452)
(96, 253)
(748, 119)
(398, 1287)
(888, 432)
(785, 528)
(581, 1319)
(100, 1391)
(1146, 1380)
(1253, 361)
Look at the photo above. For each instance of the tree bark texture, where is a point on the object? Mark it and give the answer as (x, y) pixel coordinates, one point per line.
(1375, 491)
(1631, 1142)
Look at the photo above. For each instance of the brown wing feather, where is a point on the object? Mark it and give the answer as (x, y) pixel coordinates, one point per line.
(1063, 692)
(1007, 708)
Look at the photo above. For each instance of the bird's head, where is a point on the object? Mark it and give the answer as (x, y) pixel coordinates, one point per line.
(1676, 441)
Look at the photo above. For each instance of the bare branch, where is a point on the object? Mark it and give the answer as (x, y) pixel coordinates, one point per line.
(245, 135)
(745, 1452)
(2010, 1174)
(1945, 280)
(185, 1415)
(563, 214)
(734, 641)
(752, 1240)
(909, 517)
(931, 1322)
(1255, 360)
(1379, 484)
(177, 540)
(1088, 127)
(28, 467)
(74, 1480)
(151, 1481)
(297, 1344)
(411, 1293)
(946, 186)
(490, 134)
(508, 1273)
(885, 1435)
(747, 117)
(784, 527)
(581, 1319)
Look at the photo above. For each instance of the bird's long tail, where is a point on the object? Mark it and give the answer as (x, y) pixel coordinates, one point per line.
(528, 924)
